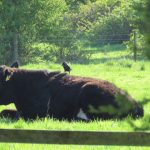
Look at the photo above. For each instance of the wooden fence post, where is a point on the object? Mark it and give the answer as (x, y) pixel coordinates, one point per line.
(75, 137)
(135, 46)
(15, 47)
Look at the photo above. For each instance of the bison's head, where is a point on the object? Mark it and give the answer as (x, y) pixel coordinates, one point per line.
(6, 87)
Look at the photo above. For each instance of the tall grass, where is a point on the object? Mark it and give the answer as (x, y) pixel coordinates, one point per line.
(116, 66)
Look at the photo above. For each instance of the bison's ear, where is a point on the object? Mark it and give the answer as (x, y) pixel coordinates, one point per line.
(8, 74)
(15, 65)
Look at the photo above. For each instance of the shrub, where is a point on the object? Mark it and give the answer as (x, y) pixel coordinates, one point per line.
(140, 43)
(104, 21)
(40, 52)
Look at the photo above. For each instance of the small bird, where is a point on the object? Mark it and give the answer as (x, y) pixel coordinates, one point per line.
(66, 67)
(15, 65)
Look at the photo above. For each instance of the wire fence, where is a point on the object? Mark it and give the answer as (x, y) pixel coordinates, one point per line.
(100, 38)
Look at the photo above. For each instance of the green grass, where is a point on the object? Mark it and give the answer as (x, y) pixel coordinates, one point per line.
(115, 66)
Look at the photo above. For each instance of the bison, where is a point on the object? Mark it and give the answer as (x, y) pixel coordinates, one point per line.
(41, 93)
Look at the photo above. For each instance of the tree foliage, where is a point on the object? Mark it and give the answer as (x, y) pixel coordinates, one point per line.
(66, 26)
(30, 20)
(147, 27)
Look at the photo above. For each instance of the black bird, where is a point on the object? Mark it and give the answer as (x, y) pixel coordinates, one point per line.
(66, 67)
(15, 65)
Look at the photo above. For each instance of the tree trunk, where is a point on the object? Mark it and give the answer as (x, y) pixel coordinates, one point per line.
(15, 47)
(135, 46)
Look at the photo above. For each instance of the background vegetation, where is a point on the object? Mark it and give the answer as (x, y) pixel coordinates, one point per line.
(56, 30)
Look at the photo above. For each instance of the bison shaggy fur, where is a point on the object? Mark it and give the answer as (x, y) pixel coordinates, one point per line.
(40, 93)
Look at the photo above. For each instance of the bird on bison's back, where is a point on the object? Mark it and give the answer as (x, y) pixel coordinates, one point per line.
(15, 65)
(66, 67)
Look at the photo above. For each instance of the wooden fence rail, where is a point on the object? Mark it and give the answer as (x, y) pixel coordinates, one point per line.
(75, 137)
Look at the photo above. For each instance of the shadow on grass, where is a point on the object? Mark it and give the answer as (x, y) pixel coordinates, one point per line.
(87, 56)
(105, 48)
(88, 51)
(145, 101)
(144, 124)
(87, 59)
(145, 121)
(108, 60)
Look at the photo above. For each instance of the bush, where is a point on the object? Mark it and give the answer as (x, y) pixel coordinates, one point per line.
(140, 42)
(147, 51)
(40, 52)
(5, 53)
(104, 21)
(147, 27)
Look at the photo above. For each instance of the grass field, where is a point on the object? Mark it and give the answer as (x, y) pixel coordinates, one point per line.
(114, 64)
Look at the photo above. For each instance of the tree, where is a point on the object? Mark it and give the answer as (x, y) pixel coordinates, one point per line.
(15, 19)
(147, 27)
(21, 21)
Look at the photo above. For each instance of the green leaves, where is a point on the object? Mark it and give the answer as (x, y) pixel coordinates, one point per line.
(31, 20)
(66, 22)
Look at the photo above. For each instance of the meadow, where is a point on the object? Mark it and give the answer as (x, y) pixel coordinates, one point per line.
(114, 64)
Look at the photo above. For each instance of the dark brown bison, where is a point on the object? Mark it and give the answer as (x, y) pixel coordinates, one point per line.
(42, 93)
